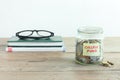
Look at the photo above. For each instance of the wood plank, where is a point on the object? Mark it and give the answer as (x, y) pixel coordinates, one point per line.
(43, 62)
(79, 75)
(112, 44)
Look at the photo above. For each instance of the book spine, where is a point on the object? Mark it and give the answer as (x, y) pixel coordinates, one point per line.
(11, 49)
(35, 44)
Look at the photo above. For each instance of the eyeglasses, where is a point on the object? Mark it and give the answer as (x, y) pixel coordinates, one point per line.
(34, 34)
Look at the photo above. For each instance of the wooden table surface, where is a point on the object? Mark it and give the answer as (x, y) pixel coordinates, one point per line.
(58, 65)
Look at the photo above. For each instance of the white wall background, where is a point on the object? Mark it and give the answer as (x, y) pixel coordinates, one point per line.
(60, 16)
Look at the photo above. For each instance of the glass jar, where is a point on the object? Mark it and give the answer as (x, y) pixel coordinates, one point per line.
(89, 45)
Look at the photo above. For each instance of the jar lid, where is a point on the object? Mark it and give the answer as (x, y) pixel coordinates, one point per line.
(90, 30)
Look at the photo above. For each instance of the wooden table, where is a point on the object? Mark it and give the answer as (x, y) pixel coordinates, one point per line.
(58, 65)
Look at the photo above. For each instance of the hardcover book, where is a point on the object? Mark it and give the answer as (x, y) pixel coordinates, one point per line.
(11, 49)
(52, 41)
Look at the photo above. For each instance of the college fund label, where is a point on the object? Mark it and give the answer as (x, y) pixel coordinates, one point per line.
(91, 49)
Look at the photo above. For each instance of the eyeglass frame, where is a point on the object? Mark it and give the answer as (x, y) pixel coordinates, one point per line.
(29, 36)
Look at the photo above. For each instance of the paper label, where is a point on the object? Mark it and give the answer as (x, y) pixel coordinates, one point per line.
(91, 49)
(9, 49)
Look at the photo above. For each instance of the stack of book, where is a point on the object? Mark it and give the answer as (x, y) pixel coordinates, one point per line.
(54, 43)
